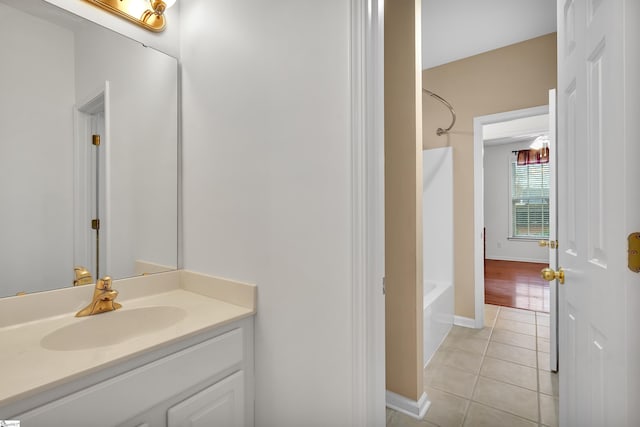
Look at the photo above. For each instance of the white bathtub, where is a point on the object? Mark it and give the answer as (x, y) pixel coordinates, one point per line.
(437, 247)
(438, 315)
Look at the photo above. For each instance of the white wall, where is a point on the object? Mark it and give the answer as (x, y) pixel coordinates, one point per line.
(496, 208)
(266, 101)
(36, 157)
(142, 145)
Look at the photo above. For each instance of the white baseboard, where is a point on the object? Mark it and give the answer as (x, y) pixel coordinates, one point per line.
(508, 258)
(415, 409)
(465, 322)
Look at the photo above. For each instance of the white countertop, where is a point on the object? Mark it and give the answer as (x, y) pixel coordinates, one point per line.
(29, 365)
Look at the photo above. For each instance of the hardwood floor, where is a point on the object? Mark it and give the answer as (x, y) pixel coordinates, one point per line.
(516, 284)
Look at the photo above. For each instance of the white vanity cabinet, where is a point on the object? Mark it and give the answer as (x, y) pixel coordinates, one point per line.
(207, 380)
(221, 404)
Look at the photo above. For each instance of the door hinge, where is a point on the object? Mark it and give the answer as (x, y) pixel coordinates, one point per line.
(384, 285)
(633, 257)
(95, 224)
(553, 244)
(95, 140)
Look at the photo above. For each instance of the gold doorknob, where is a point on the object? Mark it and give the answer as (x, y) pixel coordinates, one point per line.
(549, 275)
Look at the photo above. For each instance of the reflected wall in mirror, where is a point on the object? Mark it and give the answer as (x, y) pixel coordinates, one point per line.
(63, 79)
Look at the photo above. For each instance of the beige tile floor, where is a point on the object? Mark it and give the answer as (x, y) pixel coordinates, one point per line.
(494, 377)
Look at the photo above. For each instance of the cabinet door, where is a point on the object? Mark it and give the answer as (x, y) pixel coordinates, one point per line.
(221, 404)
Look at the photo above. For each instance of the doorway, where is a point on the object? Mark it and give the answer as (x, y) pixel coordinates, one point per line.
(516, 177)
(527, 131)
(500, 130)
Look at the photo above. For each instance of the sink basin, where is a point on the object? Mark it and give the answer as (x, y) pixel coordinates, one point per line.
(110, 328)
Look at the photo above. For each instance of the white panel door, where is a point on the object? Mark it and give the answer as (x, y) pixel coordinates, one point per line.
(592, 115)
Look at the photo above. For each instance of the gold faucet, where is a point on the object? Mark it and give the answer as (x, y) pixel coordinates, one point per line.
(83, 276)
(103, 299)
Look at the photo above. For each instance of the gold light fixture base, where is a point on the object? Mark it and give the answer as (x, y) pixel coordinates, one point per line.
(131, 10)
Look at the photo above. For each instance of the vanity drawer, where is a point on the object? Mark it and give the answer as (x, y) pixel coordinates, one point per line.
(120, 398)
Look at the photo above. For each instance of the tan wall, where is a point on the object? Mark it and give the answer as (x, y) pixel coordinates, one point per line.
(403, 198)
(510, 78)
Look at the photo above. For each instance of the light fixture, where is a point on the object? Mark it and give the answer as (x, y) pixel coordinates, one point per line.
(540, 142)
(148, 14)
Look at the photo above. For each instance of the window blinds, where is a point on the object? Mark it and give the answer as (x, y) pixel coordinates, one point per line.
(529, 200)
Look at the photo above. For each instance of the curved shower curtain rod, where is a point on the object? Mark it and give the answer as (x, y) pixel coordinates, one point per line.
(441, 131)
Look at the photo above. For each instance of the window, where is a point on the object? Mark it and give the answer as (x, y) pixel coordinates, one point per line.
(529, 200)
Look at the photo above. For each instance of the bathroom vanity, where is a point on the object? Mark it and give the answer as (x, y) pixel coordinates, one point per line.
(179, 352)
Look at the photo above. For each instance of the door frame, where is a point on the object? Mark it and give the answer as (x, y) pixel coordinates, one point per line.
(478, 197)
(368, 386)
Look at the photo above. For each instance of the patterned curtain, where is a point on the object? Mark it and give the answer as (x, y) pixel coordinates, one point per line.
(532, 157)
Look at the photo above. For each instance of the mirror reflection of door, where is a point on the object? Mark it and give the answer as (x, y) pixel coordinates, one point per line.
(90, 227)
(98, 202)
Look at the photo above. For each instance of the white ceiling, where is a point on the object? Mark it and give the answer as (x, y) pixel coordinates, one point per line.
(456, 29)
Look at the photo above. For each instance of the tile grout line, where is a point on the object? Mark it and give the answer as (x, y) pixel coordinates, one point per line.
(516, 363)
(538, 374)
(535, 337)
(484, 353)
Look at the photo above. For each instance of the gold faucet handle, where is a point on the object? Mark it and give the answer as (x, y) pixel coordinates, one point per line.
(104, 284)
(103, 299)
(82, 276)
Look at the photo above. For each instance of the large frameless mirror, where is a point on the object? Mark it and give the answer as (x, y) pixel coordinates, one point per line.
(88, 151)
